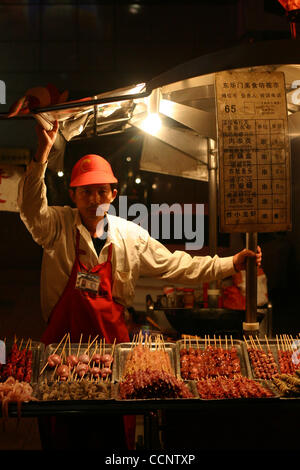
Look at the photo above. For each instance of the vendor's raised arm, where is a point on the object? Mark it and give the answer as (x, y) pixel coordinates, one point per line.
(42, 221)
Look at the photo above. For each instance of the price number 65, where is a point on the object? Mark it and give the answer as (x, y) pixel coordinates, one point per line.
(230, 108)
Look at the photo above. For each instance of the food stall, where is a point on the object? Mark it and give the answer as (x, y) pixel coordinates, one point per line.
(239, 105)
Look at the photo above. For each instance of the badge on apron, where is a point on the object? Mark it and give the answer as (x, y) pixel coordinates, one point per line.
(87, 281)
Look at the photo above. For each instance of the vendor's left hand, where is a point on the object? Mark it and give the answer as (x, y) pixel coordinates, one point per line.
(240, 259)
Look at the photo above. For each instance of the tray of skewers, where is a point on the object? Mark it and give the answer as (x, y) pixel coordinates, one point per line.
(146, 369)
(269, 358)
(288, 385)
(76, 371)
(22, 360)
(238, 388)
(211, 357)
(19, 374)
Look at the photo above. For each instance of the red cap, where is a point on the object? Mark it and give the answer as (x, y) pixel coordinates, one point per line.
(92, 169)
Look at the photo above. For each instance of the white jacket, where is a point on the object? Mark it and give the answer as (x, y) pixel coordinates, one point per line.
(135, 253)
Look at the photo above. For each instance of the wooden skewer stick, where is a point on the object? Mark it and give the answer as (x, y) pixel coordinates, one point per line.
(90, 344)
(258, 342)
(62, 354)
(245, 339)
(53, 353)
(268, 346)
(79, 345)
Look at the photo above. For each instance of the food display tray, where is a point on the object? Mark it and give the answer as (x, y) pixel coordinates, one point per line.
(189, 383)
(123, 349)
(200, 343)
(37, 349)
(48, 372)
(266, 383)
(264, 344)
(39, 391)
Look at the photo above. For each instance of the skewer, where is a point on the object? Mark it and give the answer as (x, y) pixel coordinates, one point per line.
(258, 342)
(61, 355)
(113, 347)
(268, 346)
(220, 342)
(52, 353)
(245, 339)
(252, 342)
(90, 344)
(277, 341)
(79, 344)
(226, 342)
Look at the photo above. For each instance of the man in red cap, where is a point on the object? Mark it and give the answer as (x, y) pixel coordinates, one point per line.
(87, 279)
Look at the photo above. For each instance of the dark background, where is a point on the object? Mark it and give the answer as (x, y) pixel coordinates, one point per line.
(91, 47)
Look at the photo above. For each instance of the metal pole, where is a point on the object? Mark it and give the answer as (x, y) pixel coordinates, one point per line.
(250, 325)
(213, 292)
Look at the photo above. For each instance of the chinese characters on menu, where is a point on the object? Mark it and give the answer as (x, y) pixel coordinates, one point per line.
(254, 155)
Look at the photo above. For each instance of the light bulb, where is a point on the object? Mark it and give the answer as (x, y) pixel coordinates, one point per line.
(151, 124)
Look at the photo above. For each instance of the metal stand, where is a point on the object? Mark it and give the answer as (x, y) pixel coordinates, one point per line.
(251, 325)
(213, 292)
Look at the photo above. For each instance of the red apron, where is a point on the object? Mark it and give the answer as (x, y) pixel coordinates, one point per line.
(81, 312)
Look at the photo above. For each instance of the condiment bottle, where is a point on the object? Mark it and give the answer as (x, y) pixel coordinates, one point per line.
(188, 297)
(179, 297)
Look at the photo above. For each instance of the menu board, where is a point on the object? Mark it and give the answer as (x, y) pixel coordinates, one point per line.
(254, 152)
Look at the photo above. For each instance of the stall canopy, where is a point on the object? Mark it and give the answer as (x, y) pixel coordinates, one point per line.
(176, 109)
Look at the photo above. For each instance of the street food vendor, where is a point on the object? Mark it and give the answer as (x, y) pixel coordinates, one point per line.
(91, 259)
(76, 253)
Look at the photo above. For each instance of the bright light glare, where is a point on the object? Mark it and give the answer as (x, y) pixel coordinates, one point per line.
(152, 124)
(60, 174)
(138, 180)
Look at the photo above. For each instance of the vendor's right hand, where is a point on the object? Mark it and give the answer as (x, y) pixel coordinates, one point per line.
(46, 139)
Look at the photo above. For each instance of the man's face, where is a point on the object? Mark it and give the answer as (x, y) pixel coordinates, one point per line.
(89, 198)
